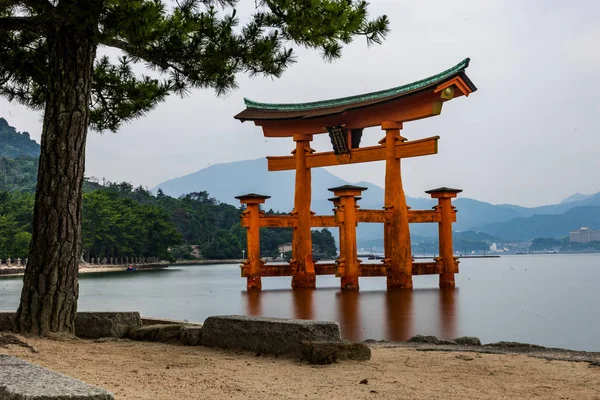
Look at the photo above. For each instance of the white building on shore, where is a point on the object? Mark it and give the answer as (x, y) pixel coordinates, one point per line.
(584, 235)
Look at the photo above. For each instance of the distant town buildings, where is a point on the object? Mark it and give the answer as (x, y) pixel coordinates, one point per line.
(584, 235)
(494, 248)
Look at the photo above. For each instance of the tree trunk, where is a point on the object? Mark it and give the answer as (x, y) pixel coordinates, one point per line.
(50, 286)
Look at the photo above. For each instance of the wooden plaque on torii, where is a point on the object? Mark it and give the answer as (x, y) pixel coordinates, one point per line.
(344, 120)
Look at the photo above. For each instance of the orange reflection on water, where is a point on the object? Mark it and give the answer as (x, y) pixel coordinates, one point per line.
(393, 314)
(447, 313)
(399, 311)
(348, 314)
(253, 304)
(303, 303)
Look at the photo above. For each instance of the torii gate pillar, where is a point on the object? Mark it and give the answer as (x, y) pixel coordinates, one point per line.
(398, 254)
(345, 215)
(446, 209)
(253, 261)
(302, 261)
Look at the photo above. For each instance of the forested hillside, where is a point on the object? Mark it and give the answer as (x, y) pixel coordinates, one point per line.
(18, 174)
(120, 220)
(14, 144)
(16, 215)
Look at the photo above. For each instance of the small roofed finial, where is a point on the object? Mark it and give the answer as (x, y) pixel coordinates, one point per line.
(252, 198)
(443, 192)
(347, 187)
(347, 190)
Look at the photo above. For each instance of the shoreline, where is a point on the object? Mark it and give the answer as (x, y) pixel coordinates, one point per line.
(12, 272)
(99, 268)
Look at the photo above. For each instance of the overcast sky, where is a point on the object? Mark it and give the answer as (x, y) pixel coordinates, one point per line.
(528, 136)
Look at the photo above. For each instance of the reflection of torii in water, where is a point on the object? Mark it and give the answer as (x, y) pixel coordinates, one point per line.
(344, 119)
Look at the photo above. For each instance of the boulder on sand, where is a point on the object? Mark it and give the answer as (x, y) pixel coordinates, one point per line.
(264, 335)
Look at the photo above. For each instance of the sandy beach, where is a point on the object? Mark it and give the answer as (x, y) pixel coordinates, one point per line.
(143, 370)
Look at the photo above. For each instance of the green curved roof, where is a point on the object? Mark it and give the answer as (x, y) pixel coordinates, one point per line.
(455, 70)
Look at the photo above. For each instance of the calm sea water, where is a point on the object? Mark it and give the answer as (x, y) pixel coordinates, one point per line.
(551, 300)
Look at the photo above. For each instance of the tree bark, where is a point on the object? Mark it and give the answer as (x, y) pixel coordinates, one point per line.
(50, 286)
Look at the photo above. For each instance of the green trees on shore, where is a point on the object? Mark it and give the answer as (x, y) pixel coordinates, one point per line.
(117, 226)
(18, 174)
(16, 214)
(120, 220)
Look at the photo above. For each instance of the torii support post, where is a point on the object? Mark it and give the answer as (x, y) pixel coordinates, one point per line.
(348, 263)
(445, 208)
(336, 205)
(398, 253)
(302, 240)
(253, 263)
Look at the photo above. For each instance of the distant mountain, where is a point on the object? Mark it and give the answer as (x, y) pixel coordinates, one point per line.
(18, 159)
(576, 197)
(14, 144)
(225, 181)
(545, 225)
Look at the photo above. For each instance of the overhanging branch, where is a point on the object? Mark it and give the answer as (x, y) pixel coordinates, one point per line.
(133, 51)
(31, 24)
(139, 52)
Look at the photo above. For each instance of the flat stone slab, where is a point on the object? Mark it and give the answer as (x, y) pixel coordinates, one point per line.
(321, 352)
(158, 321)
(191, 335)
(424, 339)
(468, 341)
(264, 335)
(164, 333)
(91, 325)
(94, 325)
(21, 380)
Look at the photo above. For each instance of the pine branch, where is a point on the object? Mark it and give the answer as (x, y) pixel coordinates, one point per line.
(38, 5)
(33, 24)
(134, 51)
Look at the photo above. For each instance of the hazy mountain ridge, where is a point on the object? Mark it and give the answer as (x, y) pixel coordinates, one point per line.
(497, 220)
(576, 197)
(14, 143)
(545, 225)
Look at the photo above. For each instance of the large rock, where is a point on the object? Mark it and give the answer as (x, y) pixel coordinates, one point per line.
(20, 380)
(164, 333)
(276, 336)
(468, 341)
(191, 335)
(326, 352)
(7, 320)
(424, 339)
(95, 325)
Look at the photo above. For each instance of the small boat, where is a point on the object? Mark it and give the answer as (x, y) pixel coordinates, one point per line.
(131, 268)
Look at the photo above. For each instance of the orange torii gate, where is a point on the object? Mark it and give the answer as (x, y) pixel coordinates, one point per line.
(344, 119)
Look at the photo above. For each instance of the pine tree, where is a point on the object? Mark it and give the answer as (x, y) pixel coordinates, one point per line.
(49, 61)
